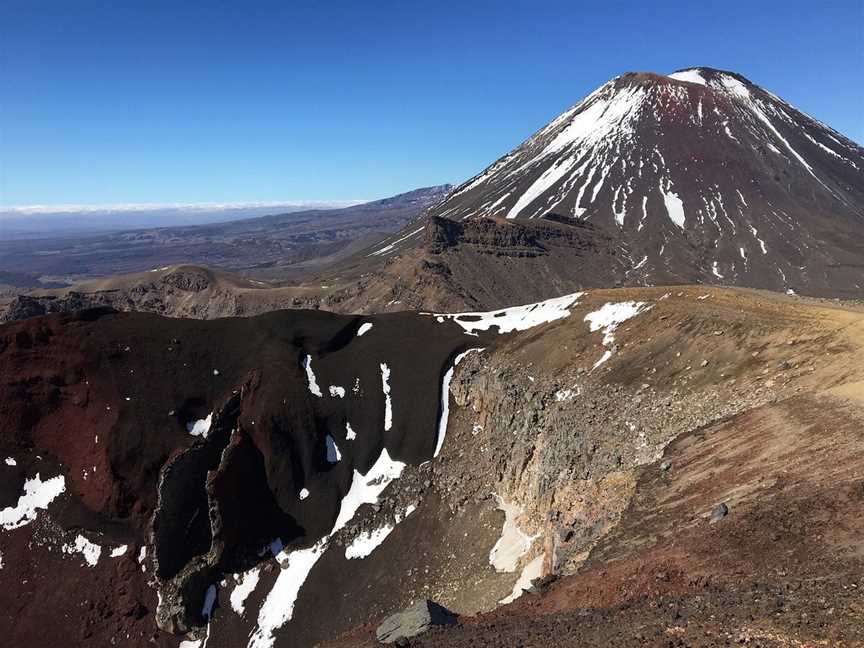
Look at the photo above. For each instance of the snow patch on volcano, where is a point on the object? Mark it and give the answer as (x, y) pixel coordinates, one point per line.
(674, 207)
(368, 541)
(278, 606)
(201, 427)
(246, 583)
(37, 495)
(530, 572)
(513, 543)
(89, 550)
(608, 318)
(445, 401)
(311, 380)
(388, 404)
(691, 76)
(515, 318)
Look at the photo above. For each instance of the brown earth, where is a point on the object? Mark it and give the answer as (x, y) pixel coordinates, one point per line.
(772, 425)
(755, 400)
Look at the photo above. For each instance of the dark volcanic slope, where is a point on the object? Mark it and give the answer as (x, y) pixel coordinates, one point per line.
(95, 415)
(699, 176)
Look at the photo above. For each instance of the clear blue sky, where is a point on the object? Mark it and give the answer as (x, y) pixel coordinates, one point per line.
(148, 101)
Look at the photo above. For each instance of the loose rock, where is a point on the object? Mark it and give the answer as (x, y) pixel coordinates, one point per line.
(413, 621)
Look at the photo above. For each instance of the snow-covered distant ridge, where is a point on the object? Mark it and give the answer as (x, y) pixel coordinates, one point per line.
(75, 208)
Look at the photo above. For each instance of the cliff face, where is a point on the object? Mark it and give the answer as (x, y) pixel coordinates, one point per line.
(564, 440)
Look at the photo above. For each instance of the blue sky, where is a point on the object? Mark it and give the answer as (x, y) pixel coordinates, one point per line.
(122, 102)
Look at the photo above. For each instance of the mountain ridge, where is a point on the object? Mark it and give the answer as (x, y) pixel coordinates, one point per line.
(700, 176)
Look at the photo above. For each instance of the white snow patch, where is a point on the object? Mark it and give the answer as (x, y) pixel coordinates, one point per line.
(310, 377)
(304, 493)
(388, 405)
(201, 427)
(350, 434)
(644, 213)
(596, 120)
(365, 489)
(337, 392)
(83, 546)
(563, 395)
(368, 541)
(391, 246)
(734, 86)
(755, 233)
(531, 571)
(608, 318)
(119, 551)
(11, 462)
(826, 149)
(278, 607)
(37, 495)
(691, 76)
(515, 318)
(445, 401)
(715, 269)
(142, 555)
(513, 543)
(549, 177)
(674, 207)
(246, 583)
(364, 328)
(764, 119)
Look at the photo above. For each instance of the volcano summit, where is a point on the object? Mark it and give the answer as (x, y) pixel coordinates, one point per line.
(698, 176)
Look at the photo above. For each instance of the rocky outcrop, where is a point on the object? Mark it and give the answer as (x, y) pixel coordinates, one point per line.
(565, 444)
(413, 621)
(509, 238)
(213, 515)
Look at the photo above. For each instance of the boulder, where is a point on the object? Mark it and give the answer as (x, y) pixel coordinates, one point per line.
(413, 621)
(719, 512)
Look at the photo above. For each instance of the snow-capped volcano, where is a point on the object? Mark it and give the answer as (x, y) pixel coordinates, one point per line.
(700, 175)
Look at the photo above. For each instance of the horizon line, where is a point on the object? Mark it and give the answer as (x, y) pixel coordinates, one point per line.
(66, 208)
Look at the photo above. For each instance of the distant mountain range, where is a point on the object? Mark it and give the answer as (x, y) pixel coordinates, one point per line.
(40, 221)
(274, 245)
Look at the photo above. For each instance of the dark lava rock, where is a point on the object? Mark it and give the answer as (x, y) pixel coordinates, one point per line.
(413, 621)
(719, 512)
